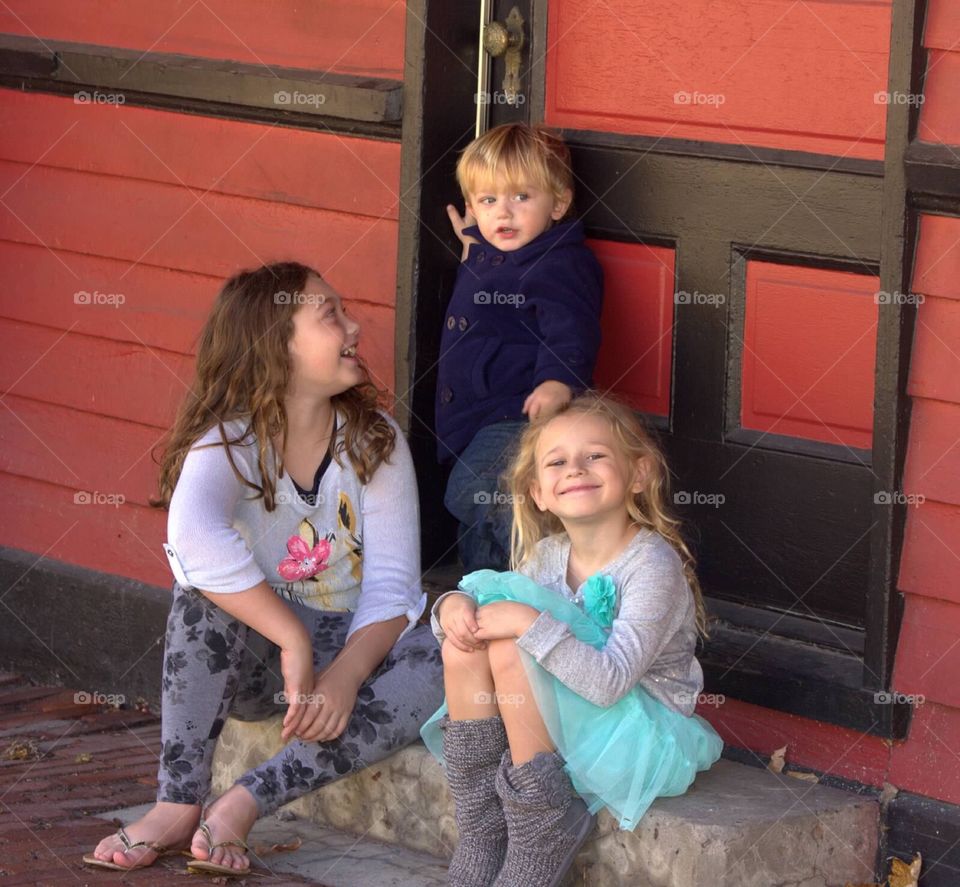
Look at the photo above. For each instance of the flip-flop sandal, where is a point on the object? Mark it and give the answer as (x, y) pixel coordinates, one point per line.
(215, 868)
(129, 845)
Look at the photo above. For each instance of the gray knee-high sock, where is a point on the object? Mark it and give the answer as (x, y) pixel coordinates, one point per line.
(547, 821)
(471, 753)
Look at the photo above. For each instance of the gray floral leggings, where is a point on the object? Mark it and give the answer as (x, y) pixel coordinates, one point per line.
(215, 666)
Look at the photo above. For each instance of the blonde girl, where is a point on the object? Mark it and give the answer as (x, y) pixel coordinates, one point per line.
(571, 681)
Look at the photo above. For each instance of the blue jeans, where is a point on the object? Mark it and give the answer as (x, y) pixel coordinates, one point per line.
(477, 497)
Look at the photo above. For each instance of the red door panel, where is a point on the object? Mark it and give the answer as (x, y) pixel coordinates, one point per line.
(635, 357)
(809, 352)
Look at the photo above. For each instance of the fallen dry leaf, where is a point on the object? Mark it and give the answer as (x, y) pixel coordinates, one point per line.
(777, 760)
(83, 758)
(263, 850)
(22, 750)
(903, 874)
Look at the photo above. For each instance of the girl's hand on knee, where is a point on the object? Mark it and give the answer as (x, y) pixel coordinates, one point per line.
(458, 620)
(330, 708)
(296, 666)
(504, 619)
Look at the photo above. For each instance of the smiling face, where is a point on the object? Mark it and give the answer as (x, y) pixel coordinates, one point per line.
(323, 346)
(581, 474)
(510, 216)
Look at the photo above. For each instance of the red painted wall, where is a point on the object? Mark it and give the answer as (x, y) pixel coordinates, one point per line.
(706, 70)
(148, 212)
(325, 35)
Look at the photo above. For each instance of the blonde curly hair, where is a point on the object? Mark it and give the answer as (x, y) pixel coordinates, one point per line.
(648, 508)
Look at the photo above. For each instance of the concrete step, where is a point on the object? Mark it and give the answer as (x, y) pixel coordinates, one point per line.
(737, 826)
(326, 856)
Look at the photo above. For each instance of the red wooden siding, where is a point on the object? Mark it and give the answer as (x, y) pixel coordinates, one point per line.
(701, 73)
(335, 35)
(638, 304)
(809, 353)
(939, 121)
(927, 762)
(836, 750)
(928, 654)
(156, 208)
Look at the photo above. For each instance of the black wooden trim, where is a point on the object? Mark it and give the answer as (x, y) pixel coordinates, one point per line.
(638, 144)
(933, 170)
(108, 74)
(799, 678)
(199, 107)
(915, 824)
(895, 325)
(786, 624)
(439, 119)
(799, 445)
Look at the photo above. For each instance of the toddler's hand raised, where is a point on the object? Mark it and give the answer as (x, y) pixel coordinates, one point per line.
(458, 620)
(546, 398)
(459, 223)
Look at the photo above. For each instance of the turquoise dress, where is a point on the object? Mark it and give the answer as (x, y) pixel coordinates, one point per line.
(622, 757)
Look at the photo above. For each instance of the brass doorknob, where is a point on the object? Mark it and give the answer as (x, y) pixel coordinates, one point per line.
(507, 39)
(498, 38)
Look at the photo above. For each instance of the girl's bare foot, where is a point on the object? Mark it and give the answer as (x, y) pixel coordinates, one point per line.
(230, 818)
(167, 825)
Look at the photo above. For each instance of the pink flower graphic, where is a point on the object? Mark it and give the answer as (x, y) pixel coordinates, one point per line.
(303, 561)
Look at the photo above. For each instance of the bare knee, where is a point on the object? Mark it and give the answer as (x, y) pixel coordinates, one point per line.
(457, 660)
(504, 656)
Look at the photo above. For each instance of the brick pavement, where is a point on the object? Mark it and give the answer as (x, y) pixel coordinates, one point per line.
(62, 765)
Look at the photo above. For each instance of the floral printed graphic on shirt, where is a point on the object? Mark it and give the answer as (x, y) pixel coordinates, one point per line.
(308, 554)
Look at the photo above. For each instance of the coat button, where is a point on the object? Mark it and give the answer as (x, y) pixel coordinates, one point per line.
(481, 256)
(463, 324)
(446, 395)
(451, 322)
(496, 260)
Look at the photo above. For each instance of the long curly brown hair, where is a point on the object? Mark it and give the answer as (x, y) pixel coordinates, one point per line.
(243, 370)
(647, 508)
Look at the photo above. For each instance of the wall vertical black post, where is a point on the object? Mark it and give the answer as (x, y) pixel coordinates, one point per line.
(438, 121)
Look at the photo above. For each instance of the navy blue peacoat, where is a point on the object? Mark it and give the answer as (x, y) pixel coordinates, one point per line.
(516, 319)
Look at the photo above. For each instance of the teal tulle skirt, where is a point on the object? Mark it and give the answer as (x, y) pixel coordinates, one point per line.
(622, 757)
